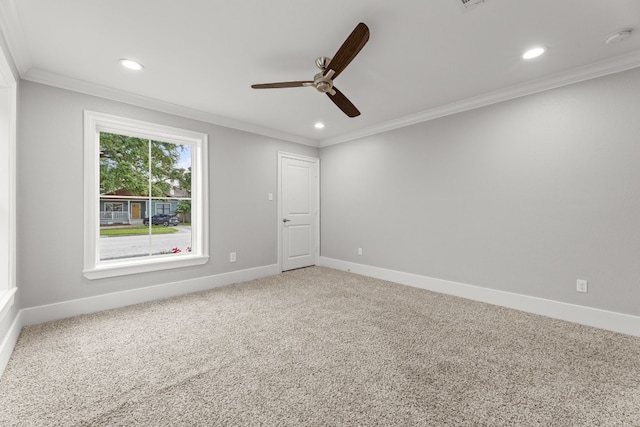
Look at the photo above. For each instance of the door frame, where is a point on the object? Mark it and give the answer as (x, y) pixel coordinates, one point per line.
(282, 155)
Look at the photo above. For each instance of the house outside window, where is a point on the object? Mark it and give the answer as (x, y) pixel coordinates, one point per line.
(133, 171)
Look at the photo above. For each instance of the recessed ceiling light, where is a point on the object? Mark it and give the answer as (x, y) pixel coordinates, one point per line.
(132, 65)
(319, 125)
(534, 52)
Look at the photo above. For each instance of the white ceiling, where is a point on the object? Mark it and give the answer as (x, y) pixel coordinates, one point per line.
(424, 58)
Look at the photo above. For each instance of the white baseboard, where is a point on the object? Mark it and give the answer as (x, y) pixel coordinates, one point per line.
(9, 342)
(49, 312)
(7, 299)
(609, 320)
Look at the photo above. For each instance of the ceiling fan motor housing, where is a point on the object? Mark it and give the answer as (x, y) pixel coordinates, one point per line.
(324, 83)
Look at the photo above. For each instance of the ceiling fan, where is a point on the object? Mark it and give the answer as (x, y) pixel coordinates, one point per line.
(330, 69)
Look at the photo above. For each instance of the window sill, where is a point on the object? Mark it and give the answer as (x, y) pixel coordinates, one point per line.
(106, 269)
(6, 301)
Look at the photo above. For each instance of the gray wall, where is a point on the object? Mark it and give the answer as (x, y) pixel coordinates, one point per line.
(523, 196)
(243, 170)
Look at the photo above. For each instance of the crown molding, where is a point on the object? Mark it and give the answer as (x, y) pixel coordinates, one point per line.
(51, 79)
(12, 31)
(575, 75)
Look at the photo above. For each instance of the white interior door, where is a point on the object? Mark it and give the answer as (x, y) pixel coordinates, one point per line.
(298, 211)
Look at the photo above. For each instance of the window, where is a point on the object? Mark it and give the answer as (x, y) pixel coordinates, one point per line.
(145, 197)
(113, 207)
(163, 208)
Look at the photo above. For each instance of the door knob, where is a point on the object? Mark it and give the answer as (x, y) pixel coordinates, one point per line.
(286, 220)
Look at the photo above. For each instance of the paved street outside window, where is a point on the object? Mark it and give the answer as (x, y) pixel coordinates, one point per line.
(116, 247)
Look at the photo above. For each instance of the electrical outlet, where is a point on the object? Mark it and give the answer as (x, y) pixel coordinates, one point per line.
(581, 285)
(232, 257)
(359, 251)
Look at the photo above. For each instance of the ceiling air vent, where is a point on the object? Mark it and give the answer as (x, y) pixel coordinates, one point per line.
(468, 4)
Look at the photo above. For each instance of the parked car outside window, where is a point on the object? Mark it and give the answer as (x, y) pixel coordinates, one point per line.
(162, 219)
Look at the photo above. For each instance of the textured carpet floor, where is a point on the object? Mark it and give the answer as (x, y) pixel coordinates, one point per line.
(320, 347)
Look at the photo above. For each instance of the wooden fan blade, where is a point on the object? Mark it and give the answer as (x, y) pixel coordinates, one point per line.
(343, 103)
(281, 85)
(349, 49)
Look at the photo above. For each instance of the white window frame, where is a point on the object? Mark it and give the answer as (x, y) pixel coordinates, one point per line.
(8, 174)
(94, 123)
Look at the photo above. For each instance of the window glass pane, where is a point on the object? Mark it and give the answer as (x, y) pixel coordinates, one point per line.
(134, 223)
(172, 228)
(165, 170)
(124, 165)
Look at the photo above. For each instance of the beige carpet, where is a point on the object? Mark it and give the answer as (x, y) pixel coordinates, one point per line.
(320, 347)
